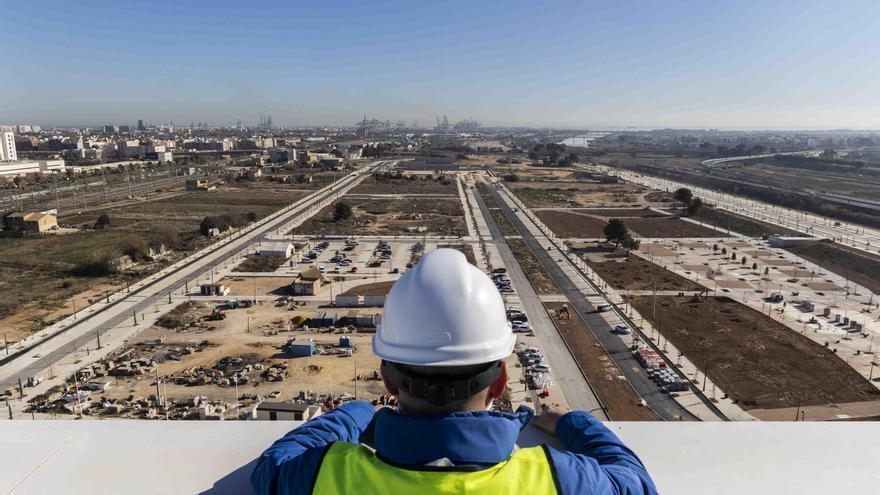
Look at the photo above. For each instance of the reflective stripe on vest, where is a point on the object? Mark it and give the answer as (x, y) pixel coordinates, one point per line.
(349, 468)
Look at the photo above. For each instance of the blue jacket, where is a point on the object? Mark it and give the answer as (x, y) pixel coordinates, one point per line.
(594, 460)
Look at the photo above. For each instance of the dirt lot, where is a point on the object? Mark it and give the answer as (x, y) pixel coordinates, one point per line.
(407, 184)
(634, 273)
(258, 263)
(668, 227)
(861, 268)
(760, 363)
(616, 394)
(740, 224)
(539, 278)
(389, 217)
(231, 338)
(572, 224)
(560, 194)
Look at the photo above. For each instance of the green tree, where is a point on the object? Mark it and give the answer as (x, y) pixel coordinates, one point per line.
(342, 211)
(615, 230)
(683, 195)
(694, 207)
(715, 247)
(630, 244)
(102, 221)
(724, 251)
(744, 259)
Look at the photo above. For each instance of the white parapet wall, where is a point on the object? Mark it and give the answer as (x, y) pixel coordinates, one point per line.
(141, 457)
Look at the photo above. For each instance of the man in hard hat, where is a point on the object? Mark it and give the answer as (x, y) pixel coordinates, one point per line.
(442, 340)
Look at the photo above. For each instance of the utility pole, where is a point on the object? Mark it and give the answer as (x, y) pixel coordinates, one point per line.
(6, 343)
(158, 392)
(98, 335)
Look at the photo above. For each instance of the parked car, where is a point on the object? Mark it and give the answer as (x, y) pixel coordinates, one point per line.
(540, 368)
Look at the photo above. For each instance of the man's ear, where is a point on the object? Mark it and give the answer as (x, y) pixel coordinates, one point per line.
(389, 385)
(499, 385)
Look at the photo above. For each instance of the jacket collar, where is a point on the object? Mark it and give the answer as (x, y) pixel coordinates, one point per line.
(471, 438)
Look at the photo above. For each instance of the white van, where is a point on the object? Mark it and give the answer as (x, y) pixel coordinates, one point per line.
(603, 308)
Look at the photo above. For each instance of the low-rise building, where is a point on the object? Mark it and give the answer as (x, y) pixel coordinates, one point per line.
(281, 249)
(31, 222)
(309, 282)
(24, 167)
(285, 411)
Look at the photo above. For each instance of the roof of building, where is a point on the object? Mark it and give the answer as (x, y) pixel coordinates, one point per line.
(311, 273)
(282, 406)
(276, 246)
(30, 216)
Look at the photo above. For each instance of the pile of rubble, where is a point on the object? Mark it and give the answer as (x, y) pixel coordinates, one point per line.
(275, 373)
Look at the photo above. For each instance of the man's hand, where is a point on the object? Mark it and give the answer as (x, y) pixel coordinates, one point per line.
(548, 416)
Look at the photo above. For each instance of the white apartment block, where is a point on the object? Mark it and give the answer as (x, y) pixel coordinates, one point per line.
(7, 147)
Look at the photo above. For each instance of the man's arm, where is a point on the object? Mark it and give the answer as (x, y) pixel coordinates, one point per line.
(594, 460)
(292, 462)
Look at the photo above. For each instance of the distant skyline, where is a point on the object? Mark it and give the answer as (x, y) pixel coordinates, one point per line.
(649, 64)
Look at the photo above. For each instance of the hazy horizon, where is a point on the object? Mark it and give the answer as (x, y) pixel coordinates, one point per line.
(577, 65)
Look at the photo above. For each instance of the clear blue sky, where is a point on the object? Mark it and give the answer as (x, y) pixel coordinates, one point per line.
(586, 64)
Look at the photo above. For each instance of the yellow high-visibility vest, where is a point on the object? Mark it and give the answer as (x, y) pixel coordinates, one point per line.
(348, 468)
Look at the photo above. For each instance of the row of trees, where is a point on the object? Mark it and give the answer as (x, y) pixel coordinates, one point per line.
(553, 154)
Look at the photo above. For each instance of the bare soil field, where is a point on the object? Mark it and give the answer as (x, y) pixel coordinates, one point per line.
(621, 212)
(634, 273)
(539, 278)
(389, 217)
(740, 224)
(258, 263)
(407, 184)
(579, 194)
(618, 396)
(759, 362)
(572, 224)
(861, 268)
(668, 227)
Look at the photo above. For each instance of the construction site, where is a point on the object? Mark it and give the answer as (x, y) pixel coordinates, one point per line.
(692, 321)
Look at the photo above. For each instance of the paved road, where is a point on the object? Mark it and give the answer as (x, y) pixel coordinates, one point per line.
(666, 407)
(59, 345)
(568, 375)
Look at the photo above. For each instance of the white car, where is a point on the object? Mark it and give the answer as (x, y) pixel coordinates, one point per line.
(621, 330)
(540, 368)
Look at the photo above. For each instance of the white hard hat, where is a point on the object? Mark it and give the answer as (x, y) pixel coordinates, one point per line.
(444, 312)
